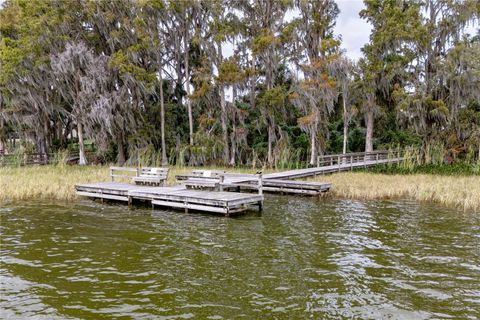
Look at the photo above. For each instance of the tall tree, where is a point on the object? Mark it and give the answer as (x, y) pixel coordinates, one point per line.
(318, 60)
(396, 28)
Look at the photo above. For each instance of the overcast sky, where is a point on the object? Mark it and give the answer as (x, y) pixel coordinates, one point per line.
(355, 32)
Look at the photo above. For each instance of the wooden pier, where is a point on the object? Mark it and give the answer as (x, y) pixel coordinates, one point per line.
(340, 162)
(178, 197)
(282, 186)
(206, 190)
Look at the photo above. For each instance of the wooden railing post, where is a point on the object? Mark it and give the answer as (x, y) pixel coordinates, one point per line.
(260, 191)
(220, 184)
(260, 184)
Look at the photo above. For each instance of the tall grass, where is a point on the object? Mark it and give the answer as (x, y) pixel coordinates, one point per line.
(46, 182)
(58, 181)
(461, 192)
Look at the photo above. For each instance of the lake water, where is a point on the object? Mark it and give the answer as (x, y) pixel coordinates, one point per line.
(301, 258)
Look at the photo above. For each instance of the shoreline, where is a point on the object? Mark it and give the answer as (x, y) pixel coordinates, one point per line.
(57, 183)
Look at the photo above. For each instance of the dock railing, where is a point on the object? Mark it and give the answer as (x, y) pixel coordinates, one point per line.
(121, 172)
(368, 158)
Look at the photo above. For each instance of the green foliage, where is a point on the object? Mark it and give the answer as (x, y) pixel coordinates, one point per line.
(273, 98)
(262, 42)
(419, 78)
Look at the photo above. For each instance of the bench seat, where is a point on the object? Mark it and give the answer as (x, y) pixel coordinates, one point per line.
(152, 176)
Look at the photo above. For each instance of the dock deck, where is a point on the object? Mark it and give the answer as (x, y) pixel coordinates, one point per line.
(192, 194)
(174, 197)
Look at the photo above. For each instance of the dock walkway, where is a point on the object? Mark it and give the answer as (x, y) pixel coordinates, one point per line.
(192, 194)
(175, 197)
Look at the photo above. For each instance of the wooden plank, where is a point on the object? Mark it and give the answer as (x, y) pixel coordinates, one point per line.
(281, 190)
(101, 195)
(191, 206)
(295, 184)
(124, 169)
(302, 173)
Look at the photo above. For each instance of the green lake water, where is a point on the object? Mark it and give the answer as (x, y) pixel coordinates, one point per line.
(301, 258)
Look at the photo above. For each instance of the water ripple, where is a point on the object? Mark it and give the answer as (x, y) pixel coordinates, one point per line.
(301, 258)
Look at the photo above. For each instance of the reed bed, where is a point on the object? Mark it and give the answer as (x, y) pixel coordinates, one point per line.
(46, 182)
(462, 192)
(57, 182)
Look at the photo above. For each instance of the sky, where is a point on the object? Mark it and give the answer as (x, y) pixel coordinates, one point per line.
(355, 32)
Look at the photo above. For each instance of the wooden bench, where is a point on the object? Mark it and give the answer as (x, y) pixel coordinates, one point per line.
(215, 180)
(121, 172)
(151, 176)
(201, 179)
(204, 174)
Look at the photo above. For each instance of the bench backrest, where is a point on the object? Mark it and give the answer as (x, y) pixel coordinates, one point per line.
(123, 172)
(154, 172)
(208, 173)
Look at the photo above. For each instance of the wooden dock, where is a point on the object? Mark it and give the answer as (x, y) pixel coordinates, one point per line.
(340, 162)
(282, 186)
(174, 197)
(206, 190)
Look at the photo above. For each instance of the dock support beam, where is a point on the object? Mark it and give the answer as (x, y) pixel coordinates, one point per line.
(260, 191)
(260, 206)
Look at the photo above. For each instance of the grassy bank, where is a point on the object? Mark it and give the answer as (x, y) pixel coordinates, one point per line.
(455, 169)
(57, 182)
(461, 192)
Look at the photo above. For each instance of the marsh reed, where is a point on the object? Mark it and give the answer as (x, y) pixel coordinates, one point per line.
(462, 192)
(57, 182)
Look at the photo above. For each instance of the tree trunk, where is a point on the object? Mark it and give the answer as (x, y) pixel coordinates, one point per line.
(81, 146)
(234, 145)
(345, 127)
(270, 143)
(2, 134)
(252, 89)
(47, 137)
(233, 137)
(59, 133)
(162, 122)
(226, 151)
(120, 149)
(369, 135)
(189, 103)
(177, 150)
(313, 146)
(40, 143)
